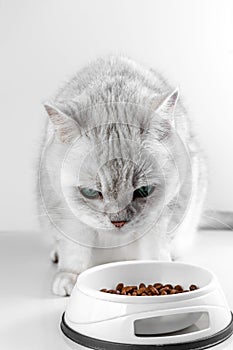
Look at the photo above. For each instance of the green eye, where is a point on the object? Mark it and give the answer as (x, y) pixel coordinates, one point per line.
(90, 193)
(143, 191)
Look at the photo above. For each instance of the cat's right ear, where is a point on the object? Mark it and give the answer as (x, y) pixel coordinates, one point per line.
(66, 128)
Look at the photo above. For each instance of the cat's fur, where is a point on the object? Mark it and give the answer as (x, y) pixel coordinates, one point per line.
(114, 127)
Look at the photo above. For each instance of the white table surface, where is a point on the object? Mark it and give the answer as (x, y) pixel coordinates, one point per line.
(30, 314)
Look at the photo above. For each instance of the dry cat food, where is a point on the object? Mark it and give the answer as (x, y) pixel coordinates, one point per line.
(151, 289)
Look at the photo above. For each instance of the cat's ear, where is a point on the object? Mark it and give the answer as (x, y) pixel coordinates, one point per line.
(165, 110)
(67, 129)
(167, 107)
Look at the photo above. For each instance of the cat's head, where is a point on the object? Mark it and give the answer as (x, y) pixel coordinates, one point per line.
(119, 171)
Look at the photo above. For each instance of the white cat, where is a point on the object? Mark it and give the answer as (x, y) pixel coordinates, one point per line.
(121, 174)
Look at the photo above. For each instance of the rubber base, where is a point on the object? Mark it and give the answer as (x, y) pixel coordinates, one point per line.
(93, 343)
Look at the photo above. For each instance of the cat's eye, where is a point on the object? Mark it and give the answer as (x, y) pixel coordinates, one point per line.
(143, 191)
(90, 193)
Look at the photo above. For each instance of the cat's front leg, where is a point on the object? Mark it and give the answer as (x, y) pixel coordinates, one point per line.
(165, 253)
(64, 282)
(156, 244)
(73, 259)
(153, 246)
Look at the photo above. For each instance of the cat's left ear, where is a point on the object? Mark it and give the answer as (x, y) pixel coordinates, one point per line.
(66, 128)
(167, 106)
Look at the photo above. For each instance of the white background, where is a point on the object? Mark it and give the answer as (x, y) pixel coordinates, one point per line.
(44, 42)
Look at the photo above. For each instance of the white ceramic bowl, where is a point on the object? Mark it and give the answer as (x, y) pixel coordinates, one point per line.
(143, 319)
(149, 272)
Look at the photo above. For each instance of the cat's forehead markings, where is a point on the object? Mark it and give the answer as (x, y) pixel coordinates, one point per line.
(107, 131)
(98, 182)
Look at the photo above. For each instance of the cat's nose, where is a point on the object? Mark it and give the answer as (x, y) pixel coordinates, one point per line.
(118, 223)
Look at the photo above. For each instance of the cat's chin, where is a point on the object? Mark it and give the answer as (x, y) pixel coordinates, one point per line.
(127, 228)
(110, 227)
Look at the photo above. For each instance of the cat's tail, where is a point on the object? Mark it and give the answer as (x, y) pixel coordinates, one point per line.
(216, 220)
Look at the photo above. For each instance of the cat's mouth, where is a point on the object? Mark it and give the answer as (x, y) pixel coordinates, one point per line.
(119, 224)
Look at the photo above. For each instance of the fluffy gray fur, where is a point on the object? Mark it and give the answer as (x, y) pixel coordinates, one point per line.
(114, 127)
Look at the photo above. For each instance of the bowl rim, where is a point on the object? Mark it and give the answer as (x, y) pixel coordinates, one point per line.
(91, 292)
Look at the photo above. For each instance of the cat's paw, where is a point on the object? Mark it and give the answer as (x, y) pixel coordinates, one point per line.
(63, 283)
(54, 256)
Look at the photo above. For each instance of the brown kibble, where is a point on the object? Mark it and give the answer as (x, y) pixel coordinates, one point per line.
(173, 291)
(149, 290)
(120, 286)
(179, 288)
(134, 287)
(141, 290)
(193, 287)
(153, 290)
(124, 290)
(158, 286)
(164, 289)
(130, 288)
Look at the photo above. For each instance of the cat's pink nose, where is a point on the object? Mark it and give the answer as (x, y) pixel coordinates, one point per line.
(118, 223)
